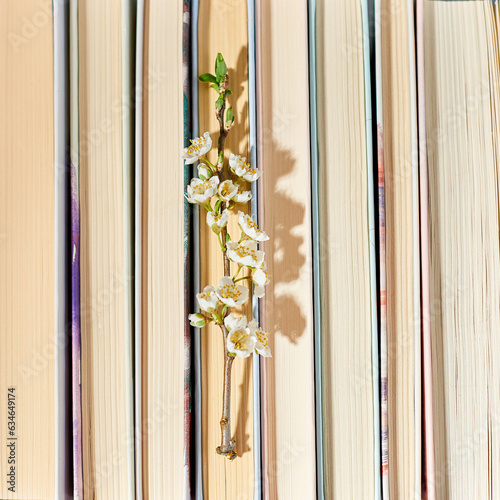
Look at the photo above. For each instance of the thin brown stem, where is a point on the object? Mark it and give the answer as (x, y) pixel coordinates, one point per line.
(227, 269)
(227, 444)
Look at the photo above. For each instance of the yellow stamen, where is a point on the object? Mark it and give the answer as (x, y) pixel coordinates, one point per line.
(240, 340)
(262, 337)
(196, 145)
(230, 292)
(201, 188)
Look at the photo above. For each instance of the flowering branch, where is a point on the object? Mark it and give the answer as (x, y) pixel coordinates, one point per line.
(225, 184)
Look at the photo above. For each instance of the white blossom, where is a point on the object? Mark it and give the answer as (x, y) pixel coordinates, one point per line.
(260, 278)
(243, 169)
(242, 196)
(232, 322)
(207, 299)
(230, 293)
(199, 147)
(217, 221)
(250, 228)
(204, 170)
(245, 253)
(200, 191)
(261, 339)
(197, 320)
(240, 339)
(227, 190)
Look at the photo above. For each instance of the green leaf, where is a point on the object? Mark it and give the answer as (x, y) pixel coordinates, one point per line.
(207, 78)
(229, 115)
(219, 102)
(215, 87)
(220, 67)
(228, 92)
(227, 237)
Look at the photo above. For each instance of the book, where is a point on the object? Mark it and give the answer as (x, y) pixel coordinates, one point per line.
(347, 267)
(189, 468)
(286, 311)
(223, 27)
(428, 481)
(462, 145)
(398, 114)
(382, 247)
(101, 85)
(160, 239)
(34, 300)
(138, 368)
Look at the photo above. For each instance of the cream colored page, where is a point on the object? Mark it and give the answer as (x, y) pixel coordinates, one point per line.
(284, 213)
(103, 276)
(163, 315)
(401, 316)
(222, 27)
(463, 144)
(27, 327)
(345, 273)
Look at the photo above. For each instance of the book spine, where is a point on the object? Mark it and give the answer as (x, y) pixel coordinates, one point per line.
(252, 105)
(428, 486)
(197, 465)
(382, 270)
(75, 258)
(316, 260)
(63, 424)
(76, 335)
(187, 256)
(373, 254)
(128, 32)
(416, 251)
(138, 253)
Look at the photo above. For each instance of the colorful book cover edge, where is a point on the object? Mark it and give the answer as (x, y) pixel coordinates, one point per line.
(256, 370)
(138, 252)
(428, 481)
(128, 81)
(416, 249)
(187, 256)
(384, 439)
(320, 483)
(62, 179)
(373, 248)
(75, 257)
(195, 265)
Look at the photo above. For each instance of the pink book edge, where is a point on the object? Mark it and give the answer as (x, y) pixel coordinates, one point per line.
(429, 483)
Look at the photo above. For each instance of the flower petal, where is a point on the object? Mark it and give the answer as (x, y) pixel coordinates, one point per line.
(232, 323)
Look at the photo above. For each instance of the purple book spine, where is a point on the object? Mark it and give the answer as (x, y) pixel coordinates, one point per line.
(76, 336)
(187, 278)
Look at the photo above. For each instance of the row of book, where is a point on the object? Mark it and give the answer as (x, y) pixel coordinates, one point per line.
(376, 124)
